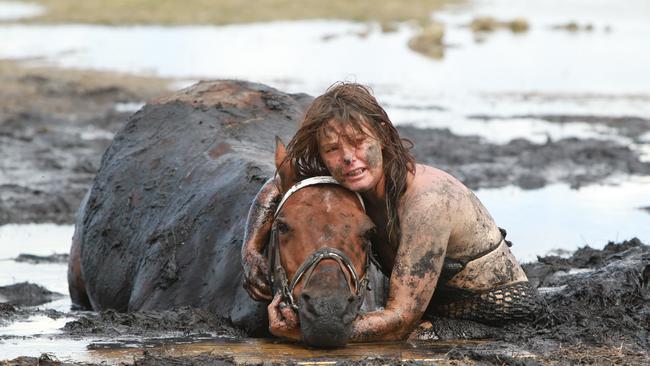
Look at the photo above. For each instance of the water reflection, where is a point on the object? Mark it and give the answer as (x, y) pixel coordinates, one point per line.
(558, 217)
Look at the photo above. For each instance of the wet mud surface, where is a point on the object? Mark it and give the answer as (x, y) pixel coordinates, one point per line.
(54, 127)
(52, 144)
(596, 310)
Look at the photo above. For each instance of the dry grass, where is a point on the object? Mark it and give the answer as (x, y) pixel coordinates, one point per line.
(175, 12)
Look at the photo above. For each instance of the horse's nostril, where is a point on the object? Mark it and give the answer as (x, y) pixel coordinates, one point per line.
(351, 299)
(306, 304)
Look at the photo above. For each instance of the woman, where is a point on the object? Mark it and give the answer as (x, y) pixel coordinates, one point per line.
(432, 233)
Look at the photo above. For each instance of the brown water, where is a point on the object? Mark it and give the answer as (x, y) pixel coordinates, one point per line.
(268, 350)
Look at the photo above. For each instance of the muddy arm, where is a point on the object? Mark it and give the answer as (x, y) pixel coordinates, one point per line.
(256, 235)
(425, 233)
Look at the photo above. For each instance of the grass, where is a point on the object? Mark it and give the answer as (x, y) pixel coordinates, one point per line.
(177, 12)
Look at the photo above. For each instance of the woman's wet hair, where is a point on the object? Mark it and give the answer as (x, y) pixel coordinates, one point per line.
(353, 105)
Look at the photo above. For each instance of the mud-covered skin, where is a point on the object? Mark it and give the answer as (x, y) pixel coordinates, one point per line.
(439, 217)
(345, 152)
(164, 220)
(256, 235)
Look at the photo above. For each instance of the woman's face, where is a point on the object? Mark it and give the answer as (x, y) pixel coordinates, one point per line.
(354, 159)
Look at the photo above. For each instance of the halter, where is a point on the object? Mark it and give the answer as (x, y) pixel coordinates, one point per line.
(279, 279)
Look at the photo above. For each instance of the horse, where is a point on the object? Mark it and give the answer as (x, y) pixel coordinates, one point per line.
(162, 225)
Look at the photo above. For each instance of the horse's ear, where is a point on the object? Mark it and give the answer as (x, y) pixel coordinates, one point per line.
(283, 166)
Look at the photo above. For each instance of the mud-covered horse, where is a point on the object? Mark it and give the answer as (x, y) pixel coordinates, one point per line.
(162, 225)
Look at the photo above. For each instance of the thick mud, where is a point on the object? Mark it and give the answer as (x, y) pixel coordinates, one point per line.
(26, 294)
(596, 311)
(53, 143)
(54, 127)
(522, 163)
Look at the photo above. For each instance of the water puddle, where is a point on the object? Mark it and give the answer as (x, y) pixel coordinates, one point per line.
(257, 351)
(13, 10)
(246, 351)
(558, 217)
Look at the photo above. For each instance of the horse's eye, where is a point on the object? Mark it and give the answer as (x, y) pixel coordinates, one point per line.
(368, 234)
(282, 227)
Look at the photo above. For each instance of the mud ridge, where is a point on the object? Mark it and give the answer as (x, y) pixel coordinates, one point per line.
(522, 163)
(27, 294)
(38, 259)
(630, 126)
(185, 320)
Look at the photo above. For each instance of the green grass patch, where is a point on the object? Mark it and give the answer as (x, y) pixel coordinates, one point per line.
(177, 12)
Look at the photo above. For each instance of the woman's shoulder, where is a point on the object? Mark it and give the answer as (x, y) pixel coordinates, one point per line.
(434, 186)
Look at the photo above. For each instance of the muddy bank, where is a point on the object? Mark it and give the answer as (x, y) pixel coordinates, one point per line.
(596, 308)
(629, 126)
(26, 294)
(185, 321)
(38, 259)
(522, 163)
(54, 127)
(53, 144)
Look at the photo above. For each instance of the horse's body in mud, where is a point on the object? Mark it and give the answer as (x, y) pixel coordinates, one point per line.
(162, 225)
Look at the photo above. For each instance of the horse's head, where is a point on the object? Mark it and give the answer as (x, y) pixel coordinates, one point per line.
(320, 243)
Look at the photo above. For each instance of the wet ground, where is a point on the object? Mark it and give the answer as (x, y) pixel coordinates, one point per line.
(596, 310)
(560, 155)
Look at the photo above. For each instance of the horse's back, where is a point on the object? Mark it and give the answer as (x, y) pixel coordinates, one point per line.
(164, 219)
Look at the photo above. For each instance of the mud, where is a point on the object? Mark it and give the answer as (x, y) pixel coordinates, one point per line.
(522, 163)
(38, 259)
(54, 142)
(26, 294)
(54, 127)
(629, 126)
(186, 321)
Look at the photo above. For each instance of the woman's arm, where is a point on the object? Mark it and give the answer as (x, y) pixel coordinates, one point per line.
(256, 235)
(425, 230)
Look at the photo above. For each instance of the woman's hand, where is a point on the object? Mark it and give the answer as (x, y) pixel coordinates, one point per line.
(283, 321)
(256, 275)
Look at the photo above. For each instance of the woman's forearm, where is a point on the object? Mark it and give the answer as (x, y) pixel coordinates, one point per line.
(260, 218)
(382, 325)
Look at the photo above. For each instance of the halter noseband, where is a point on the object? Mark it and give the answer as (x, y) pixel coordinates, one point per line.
(279, 279)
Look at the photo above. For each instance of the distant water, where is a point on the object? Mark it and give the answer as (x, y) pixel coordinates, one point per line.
(13, 10)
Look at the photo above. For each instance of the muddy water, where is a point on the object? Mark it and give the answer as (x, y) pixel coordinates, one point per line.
(257, 351)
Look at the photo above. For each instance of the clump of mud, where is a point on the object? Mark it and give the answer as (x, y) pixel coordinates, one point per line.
(608, 304)
(489, 24)
(27, 294)
(429, 41)
(38, 259)
(185, 320)
(594, 300)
